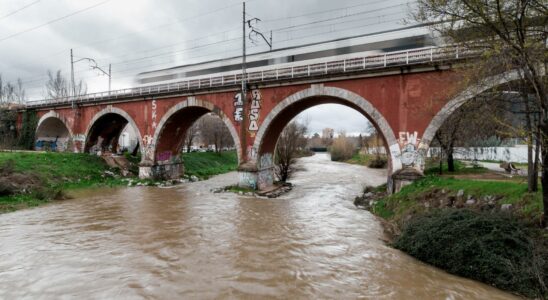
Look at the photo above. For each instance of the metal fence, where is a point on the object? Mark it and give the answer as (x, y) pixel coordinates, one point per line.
(391, 59)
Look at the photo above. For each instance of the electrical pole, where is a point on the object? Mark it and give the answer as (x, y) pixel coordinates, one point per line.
(72, 73)
(244, 82)
(243, 57)
(109, 77)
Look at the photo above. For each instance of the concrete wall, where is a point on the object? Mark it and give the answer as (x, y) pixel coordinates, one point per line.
(516, 154)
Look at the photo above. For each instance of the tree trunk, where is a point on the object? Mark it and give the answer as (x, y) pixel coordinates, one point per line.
(544, 180)
(537, 162)
(450, 160)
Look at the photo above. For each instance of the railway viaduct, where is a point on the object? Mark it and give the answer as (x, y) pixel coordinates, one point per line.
(406, 95)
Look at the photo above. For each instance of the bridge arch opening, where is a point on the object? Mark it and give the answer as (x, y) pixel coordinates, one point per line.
(170, 140)
(53, 134)
(112, 130)
(469, 126)
(269, 132)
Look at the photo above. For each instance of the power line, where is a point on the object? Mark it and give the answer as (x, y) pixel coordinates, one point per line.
(328, 11)
(53, 21)
(18, 10)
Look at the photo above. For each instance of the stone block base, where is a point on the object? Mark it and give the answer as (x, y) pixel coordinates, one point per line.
(161, 171)
(402, 178)
(253, 178)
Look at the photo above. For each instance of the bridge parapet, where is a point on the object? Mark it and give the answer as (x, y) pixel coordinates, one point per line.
(271, 75)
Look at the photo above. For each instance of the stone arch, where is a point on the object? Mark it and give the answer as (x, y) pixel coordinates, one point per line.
(271, 127)
(188, 112)
(52, 127)
(458, 101)
(121, 117)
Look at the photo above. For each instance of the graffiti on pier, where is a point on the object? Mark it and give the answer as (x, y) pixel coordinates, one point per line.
(409, 142)
(148, 146)
(248, 179)
(238, 108)
(251, 153)
(164, 156)
(406, 138)
(265, 161)
(154, 114)
(254, 112)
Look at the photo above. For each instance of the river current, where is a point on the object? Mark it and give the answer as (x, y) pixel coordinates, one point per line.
(186, 242)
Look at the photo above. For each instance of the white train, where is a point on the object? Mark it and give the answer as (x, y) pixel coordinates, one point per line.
(412, 37)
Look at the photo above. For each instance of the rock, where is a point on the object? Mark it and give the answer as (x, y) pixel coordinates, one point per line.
(427, 204)
(109, 173)
(194, 178)
(368, 195)
(460, 193)
(506, 207)
(240, 193)
(470, 202)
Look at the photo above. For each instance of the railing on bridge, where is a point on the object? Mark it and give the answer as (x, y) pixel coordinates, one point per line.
(391, 59)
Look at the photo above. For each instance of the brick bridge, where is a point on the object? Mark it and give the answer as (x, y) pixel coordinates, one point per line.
(406, 95)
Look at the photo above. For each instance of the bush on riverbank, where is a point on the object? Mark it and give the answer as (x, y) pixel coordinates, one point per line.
(473, 228)
(342, 149)
(490, 247)
(207, 164)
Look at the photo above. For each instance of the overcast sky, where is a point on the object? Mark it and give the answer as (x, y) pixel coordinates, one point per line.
(142, 35)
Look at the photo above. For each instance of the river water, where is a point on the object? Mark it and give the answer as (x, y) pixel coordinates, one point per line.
(187, 242)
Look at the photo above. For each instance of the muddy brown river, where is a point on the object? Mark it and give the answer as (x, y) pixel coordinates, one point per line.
(186, 242)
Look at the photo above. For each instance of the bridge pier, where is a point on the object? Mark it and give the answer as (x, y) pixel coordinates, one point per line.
(161, 171)
(255, 177)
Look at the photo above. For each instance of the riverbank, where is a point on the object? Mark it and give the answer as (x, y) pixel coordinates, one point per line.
(206, 164)
(29, 179)
(473, 224)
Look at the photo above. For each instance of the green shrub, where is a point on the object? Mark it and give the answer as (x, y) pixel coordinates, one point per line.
(491, 247)
(378, 162)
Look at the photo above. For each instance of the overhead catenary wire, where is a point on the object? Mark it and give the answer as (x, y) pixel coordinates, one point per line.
(131, 71)
(53, 21)
(18, 10)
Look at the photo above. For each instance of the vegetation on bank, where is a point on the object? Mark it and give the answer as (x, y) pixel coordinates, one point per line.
(29, 179)
(369, 160)
(480, 229)
(206, 164)
(495, 248)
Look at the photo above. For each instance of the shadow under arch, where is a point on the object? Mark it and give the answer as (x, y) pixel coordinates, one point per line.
(285, 111)
(458, 101)
(53, 129)
(171, 130)
(105, 128)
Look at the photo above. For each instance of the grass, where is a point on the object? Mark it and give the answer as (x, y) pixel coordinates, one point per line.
(432, 167)
(360, 159)
(207, 164)
(368, 160)
(56, 172)
(409, 198)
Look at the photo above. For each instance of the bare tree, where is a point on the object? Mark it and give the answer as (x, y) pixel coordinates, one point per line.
(58, 86)
(191, 135)
(213, 131)
(511, 36)
(290, 141)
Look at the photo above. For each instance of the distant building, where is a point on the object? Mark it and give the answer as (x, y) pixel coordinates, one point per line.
(328, 133)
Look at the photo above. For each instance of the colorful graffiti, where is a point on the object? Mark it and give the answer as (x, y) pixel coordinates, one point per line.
(164, 156)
